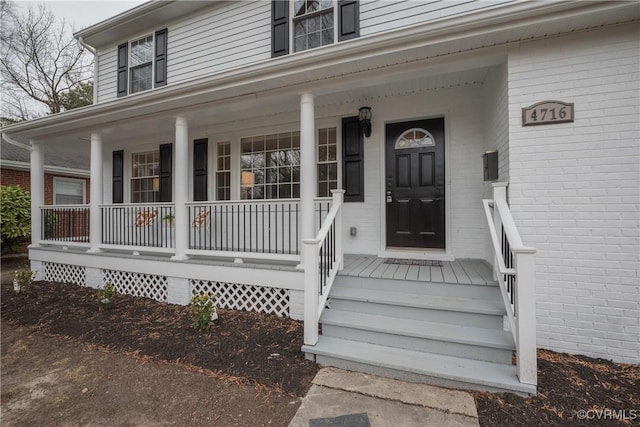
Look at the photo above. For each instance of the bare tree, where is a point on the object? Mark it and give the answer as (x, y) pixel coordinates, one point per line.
(38, 60)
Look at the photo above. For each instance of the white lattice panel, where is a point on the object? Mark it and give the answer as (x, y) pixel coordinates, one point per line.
(64, 273)
(137, 284)
(236, 296)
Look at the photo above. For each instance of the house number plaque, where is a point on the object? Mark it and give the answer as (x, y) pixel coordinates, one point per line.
(547, 112)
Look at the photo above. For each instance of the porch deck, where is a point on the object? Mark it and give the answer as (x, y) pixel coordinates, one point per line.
(464, 271)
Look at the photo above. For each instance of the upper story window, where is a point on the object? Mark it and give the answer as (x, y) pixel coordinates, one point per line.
(313, 23)
(142, 63)
(141, 71)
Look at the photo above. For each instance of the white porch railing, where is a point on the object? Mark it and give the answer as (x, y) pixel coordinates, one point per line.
(323, 258)
(144, 226)
(515, 271)
(68, 224)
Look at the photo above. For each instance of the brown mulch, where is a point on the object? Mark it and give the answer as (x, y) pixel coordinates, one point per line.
(264, 350)
(241, 346)
(573, 390)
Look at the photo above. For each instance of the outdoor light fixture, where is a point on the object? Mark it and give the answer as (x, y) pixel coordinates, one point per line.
(365, 120)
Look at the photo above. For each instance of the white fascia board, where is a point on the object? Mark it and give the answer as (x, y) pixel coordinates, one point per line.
(268, 74)
(54, 170)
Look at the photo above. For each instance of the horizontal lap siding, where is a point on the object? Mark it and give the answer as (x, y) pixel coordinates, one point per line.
(107, 64)
(575, 189)
(383, 15)
(219, 39)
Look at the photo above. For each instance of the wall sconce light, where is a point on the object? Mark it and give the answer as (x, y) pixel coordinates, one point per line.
(365, 120)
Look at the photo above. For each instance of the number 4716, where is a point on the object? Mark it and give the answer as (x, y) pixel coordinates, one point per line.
(542, 114)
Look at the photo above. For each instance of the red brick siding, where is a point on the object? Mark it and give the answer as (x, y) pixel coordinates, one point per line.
(23, 179)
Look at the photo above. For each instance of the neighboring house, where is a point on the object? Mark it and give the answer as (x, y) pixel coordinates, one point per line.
(66, 177)
(220, 129)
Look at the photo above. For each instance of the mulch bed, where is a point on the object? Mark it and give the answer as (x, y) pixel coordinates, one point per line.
(265, 350)
(573, 390)
(243, 346)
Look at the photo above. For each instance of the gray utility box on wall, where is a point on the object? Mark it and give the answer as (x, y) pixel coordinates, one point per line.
(490, 161)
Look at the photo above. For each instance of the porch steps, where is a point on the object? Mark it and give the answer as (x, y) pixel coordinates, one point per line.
(438, 333)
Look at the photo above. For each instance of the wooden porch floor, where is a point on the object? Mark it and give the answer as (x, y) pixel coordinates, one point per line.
(467, 271)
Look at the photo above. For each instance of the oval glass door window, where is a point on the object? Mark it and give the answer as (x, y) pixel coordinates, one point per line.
(413, 138)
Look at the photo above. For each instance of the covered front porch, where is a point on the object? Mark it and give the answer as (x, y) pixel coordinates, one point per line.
(255, 192)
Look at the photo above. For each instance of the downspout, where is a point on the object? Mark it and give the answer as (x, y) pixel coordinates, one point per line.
(95, 67)
(16, 143)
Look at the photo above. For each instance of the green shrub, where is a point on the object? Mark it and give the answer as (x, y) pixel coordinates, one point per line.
(204, 311)
(106, 296)
(23, 279)
(15, 216)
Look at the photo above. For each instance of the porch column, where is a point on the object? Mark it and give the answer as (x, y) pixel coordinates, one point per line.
(96, 190)
(37, 192)
(181, 182)
(307, 169)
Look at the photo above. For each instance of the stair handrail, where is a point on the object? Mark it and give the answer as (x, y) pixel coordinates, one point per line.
(515, 272)
(323, 257)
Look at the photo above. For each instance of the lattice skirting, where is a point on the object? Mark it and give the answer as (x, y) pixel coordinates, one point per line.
(137, 284)
(237, 296)
(64, 273)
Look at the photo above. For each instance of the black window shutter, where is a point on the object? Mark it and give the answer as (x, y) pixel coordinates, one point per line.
(279, 28)
(166, 154)
(200, 161)
(123, 57)
(352, 160)
(117, 177)
(349, 19)
(161, 58)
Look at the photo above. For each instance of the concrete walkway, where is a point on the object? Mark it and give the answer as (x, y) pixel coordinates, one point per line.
(351, 399)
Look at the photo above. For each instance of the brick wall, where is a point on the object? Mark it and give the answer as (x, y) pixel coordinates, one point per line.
(23, 179)
(574, 188)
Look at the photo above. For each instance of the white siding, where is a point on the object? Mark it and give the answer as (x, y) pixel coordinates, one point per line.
(219, 39)
(230, 35)
(575, 189)
(227, 36)
(107, 66)
(377, 16)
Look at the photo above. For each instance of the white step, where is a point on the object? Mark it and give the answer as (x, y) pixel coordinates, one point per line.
(435, 302)
(417, 366)
(440, 338)
(432, 308)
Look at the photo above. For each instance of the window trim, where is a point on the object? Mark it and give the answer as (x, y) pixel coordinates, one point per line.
(57, 179)
(293, 19)
(131, 178)
(158, 63)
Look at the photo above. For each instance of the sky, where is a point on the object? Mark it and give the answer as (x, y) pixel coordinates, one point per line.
(81, 14)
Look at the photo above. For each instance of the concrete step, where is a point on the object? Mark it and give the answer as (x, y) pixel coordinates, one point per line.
(434, 337)
(490, 291)
(415, 366)
(479, 312)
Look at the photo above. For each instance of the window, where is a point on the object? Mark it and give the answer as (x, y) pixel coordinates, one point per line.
(306, 24)
(270, 166)
(223, 172)
(141, 64)
(327, 162)
(145, 177)
(312, 24)
(414, 138)
(67, 191)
